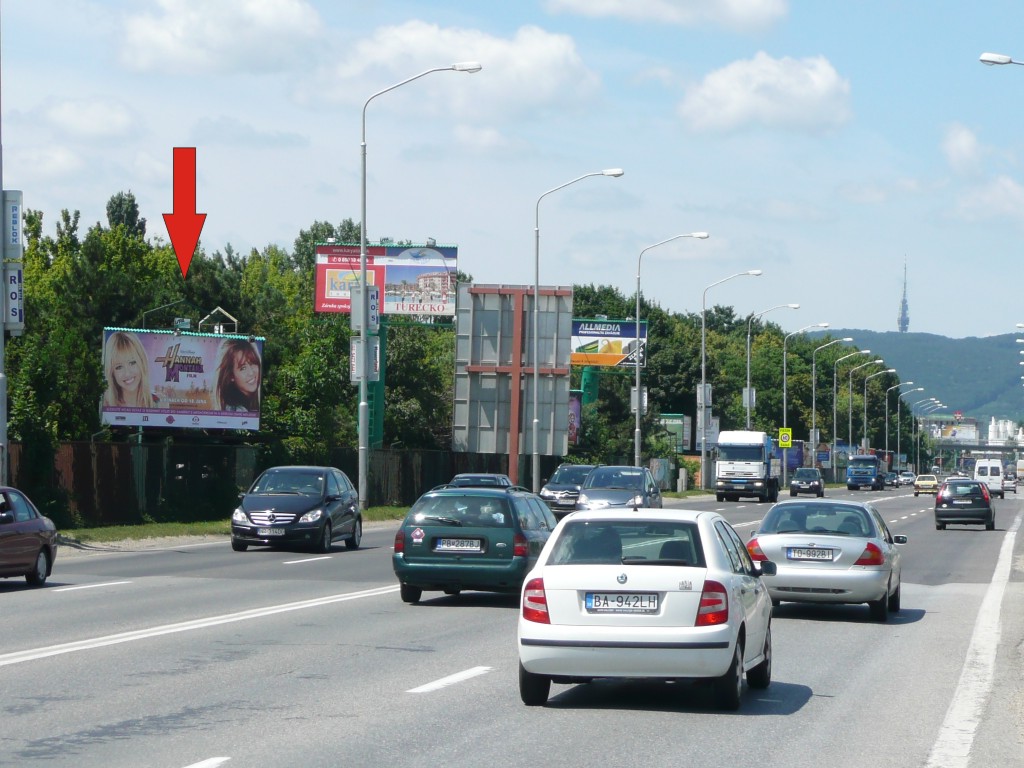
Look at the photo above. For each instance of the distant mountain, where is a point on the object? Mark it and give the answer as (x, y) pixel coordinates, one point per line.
(979, 376)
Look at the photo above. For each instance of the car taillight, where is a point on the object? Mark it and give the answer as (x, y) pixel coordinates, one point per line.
(535, 602)
(754, 548)
(400, 542)
(714, 605)
(984, 492)
(520, 546)
(871, 555)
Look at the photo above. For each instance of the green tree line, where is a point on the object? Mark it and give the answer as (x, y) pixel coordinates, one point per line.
(113, 273)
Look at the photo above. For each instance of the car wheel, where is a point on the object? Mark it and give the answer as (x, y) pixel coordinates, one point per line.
(729, 687)
(37, 576)
(792, 493)
(325, 542)
(915, 493)
(940, 526)
(894, 600)
(821, 494)
(719, 497)
(239, 546)
(761, 675)
(991, 524)
(410, 594)
(880, 608)
(353, 541)
(533, 689)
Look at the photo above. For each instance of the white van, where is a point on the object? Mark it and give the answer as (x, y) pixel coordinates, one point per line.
(990, 472)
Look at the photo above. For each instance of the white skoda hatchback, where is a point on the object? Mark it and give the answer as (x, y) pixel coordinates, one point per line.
(649, 593)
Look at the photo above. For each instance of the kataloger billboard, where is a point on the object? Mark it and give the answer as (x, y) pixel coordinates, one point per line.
(416, 279)
(168, 379)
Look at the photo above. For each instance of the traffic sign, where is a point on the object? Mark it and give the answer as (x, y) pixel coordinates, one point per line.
(785, 437)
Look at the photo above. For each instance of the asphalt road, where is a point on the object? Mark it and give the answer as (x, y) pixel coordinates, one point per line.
(200, 656)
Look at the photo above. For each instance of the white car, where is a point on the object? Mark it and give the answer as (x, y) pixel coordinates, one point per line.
(648, 593)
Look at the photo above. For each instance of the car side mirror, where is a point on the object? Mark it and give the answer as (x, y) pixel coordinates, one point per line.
(6, 518)
(899, 538)
(767, 568)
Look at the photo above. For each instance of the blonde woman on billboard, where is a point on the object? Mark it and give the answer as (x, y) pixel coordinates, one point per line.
(238, 377)
(127, 372)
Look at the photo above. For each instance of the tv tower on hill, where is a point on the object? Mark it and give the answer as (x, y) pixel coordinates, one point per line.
(903, 320)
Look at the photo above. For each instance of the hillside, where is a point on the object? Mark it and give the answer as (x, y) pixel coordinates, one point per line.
(979, 376)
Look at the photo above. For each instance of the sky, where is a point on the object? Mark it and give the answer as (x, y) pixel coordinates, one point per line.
(830, 145)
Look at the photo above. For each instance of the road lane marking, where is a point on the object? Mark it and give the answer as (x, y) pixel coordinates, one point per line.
(458, 677)
(212, 762)
(89, 586)
(952, 748)
(306, 560)
(185, 626)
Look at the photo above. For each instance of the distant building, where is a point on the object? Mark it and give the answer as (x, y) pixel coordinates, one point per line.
(903, 321)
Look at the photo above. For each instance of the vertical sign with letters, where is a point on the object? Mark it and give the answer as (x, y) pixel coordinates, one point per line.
(14, 297)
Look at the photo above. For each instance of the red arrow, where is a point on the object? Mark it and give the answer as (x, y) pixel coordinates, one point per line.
(184, 225)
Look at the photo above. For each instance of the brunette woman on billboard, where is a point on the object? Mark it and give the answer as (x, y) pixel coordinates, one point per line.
(127, 372)
(238, 377)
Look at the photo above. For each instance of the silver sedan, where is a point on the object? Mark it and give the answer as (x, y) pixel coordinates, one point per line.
(830, 551)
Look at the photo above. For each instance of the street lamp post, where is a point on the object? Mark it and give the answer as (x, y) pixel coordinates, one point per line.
(637, 357)
(535, 465)
(913, 431)
(835, 404)
(866, 378)
(925, 410)
(364, 312)
(750, 392)
(785, 404)
(702, 404)
(849, 433)
(900, 395)
(814, 385)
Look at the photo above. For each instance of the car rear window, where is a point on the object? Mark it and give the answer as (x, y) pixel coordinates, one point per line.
(965, 490)
(835, 519)
(630, 542)
(461, 510)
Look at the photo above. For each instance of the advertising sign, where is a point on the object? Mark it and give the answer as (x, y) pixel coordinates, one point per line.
(13, 250)
(609, 343)
(167, 379)
(575, 415)
(415, 280)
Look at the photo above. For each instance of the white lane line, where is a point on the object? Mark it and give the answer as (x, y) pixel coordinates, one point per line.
(744, 525)
(185, 626)
(212, 762)
(458, 677)
(89, 586)
(306, 560)
(952, 748)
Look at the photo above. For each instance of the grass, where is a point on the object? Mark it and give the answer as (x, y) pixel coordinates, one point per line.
(206, 528)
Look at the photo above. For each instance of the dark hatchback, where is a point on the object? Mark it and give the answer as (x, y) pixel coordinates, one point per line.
(562, 490)
(28, 539)
(456, 539)
(807, 480)
(298, 506)
(964, 502)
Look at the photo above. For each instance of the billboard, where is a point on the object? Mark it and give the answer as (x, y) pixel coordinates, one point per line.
(609, 343)
(414, 279)
(169, 379)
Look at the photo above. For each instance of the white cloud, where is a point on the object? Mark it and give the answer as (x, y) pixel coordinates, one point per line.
(736, 14)
(47, 163)
(534, 69)
(237, 133)
(962, 150)
(798, 94)
(480, 138)
(91, 118)
(221, 36)
(1000, 198)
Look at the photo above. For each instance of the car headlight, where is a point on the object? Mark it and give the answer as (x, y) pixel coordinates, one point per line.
(546, 494)
(311, 517)
(637, 501)
(238, 516)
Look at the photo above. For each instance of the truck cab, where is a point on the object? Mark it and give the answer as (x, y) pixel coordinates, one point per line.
(744, 467)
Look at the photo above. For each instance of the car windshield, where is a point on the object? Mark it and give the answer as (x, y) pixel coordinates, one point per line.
(627, 478)
(740, 452)
(833, 519)
(303, 482)
(628, 542)
(460, 510)
(806, 474)
(571, 475)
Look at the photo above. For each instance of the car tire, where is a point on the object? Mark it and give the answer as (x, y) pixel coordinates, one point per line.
(325, 543)
(821, 494)
(761, 676)
(409, 593)
(940, 526)
(915, 493)
(37, 576)
(991, 524)
(792, 493)
(719, 497)
(728, 688)
(353, 541)
(879, 608)
(894, 600)
(239, 546)
(533, 689)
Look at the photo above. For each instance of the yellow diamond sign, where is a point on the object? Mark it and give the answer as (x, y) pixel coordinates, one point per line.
(785, 437)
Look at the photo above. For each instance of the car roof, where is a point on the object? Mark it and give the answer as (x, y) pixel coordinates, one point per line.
(631, 514)
(300, 468)
(475, 490)
(823, 502)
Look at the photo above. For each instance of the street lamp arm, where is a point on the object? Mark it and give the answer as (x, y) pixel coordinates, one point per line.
(991, 59)
(466, 66)
(616, 172)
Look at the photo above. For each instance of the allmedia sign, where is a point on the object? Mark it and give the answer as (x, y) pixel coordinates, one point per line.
(609, 343)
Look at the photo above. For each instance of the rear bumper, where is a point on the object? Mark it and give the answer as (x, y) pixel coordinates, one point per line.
(815, 585)
(496, 577)
(971, 516)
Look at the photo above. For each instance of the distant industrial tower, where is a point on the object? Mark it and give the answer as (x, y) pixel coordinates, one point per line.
(904, 318)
